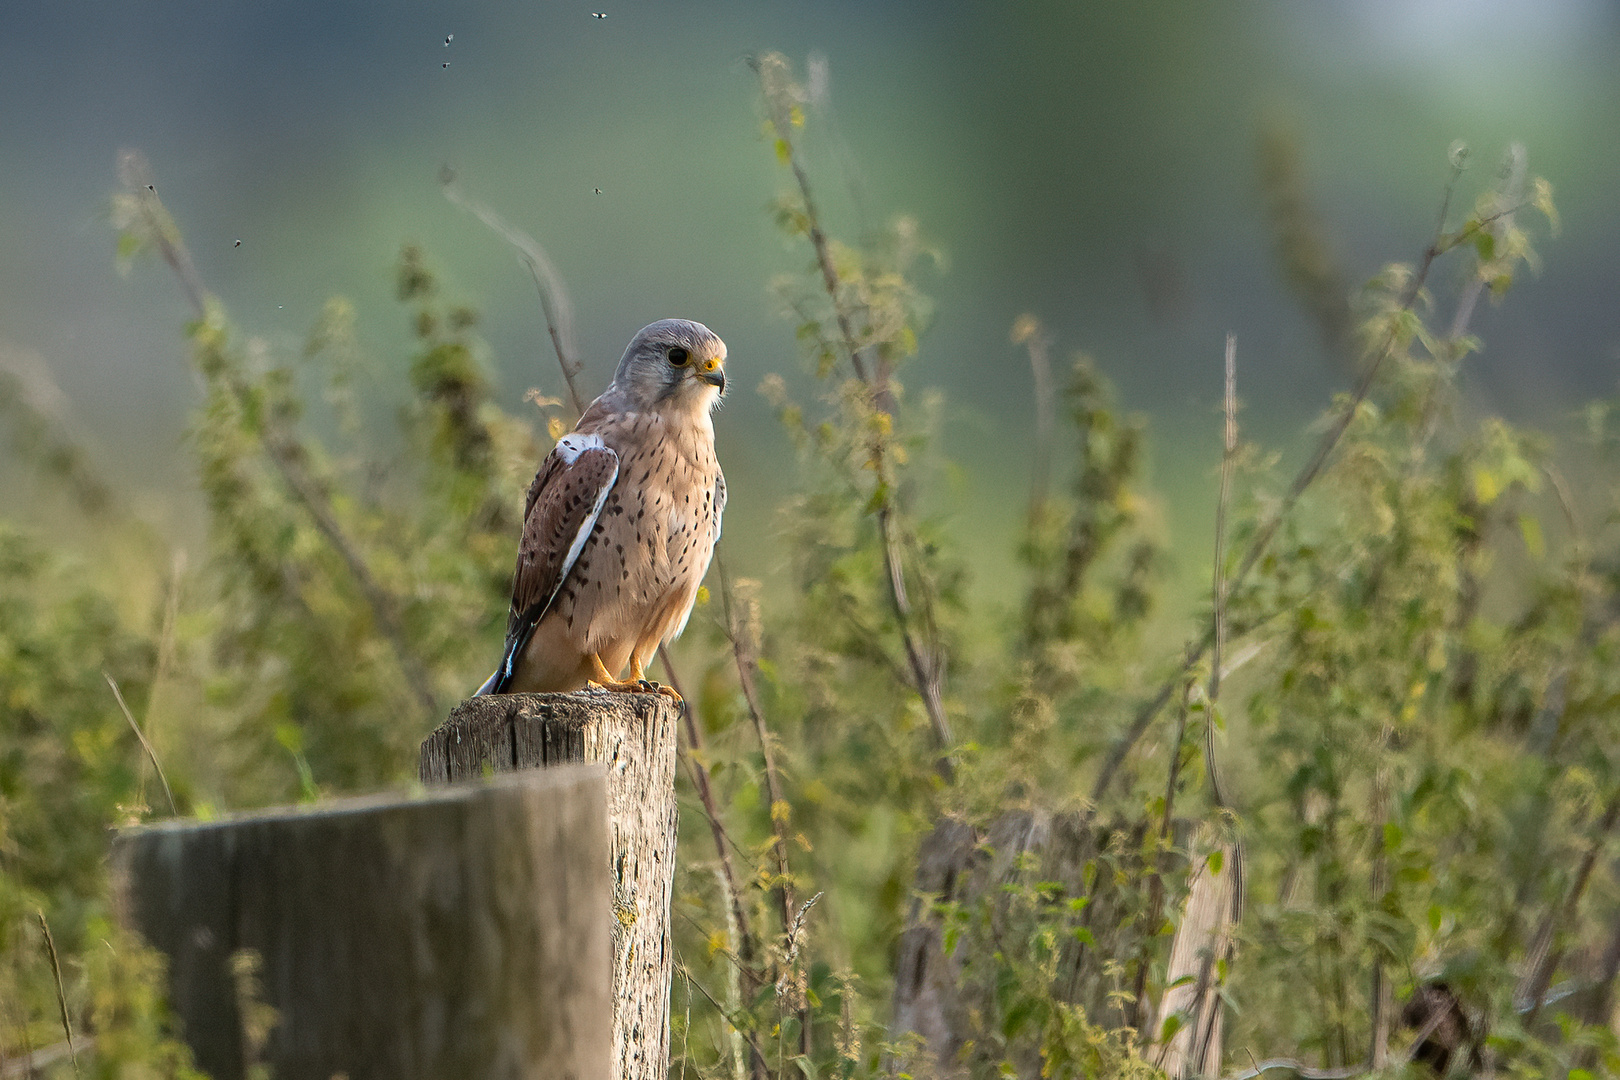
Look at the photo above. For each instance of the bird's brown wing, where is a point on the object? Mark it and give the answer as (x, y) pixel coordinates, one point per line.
(562, 507)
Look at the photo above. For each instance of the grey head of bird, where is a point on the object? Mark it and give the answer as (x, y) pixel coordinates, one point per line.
(672, 364)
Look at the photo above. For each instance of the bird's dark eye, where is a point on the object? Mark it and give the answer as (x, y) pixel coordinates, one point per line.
(678, 356)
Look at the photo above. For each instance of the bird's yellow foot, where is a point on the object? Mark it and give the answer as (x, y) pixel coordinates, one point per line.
(638, 683)
(626, 686)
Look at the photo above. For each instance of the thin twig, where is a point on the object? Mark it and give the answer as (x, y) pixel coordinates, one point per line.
(136, 173)
(1510, 198)
(743, 961)
(1207, 1005)
(139, 734)
(742, 654)
(1140, 1017)
(742, 651)
(61, 994)
(1145, 713)
(686, 1031)
(926, 665)
(166, 649)
(1566, 503)
(759, 1055)
(1228, 458)
(1510, 195)
(547, 281)
(711, 810)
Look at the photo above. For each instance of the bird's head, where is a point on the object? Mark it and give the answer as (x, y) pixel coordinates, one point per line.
(673, 364)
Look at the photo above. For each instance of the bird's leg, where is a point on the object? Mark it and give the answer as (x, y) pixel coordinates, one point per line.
(603, 679)
(637, 683)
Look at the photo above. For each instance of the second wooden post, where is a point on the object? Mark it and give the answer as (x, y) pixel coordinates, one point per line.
(634, 736)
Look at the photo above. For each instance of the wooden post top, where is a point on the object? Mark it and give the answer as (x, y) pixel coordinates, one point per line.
(503, 732)
(453, 933)
(634, 736)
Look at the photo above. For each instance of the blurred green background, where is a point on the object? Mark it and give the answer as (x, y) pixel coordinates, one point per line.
(1092, 163)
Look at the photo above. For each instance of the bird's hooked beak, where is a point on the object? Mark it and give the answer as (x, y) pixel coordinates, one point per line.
(712, 373)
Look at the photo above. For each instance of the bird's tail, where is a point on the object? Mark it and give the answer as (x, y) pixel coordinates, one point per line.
(489, 684)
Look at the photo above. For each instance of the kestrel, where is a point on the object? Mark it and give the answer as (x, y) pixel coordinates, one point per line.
(621, 522)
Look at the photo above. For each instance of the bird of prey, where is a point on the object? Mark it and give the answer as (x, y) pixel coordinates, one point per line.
(620, 523)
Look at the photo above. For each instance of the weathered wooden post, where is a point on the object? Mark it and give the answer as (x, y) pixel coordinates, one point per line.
(451, 936)
(634, 736)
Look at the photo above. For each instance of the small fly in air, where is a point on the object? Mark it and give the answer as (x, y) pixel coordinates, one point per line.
(447, 63)
(237, 244)
(448, 39)
(598, 14)
(597, 190)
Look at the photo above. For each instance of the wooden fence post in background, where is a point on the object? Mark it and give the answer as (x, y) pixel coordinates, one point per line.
(634, 736)
(453, 935)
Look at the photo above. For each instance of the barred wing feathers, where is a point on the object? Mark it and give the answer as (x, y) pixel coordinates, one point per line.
(563, 504)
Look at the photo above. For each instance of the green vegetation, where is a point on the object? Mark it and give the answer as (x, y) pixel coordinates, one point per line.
(920, 836)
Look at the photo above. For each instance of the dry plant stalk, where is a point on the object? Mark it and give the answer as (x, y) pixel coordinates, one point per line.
(547, 281)
(1204, 942)
(761, 1070)
(737, 914)
(924, 658)
(139, 734)
(61, 993)
(1140, 1014)
(741, 972)
(734, 995)
(1221, 586)
(742, 627)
